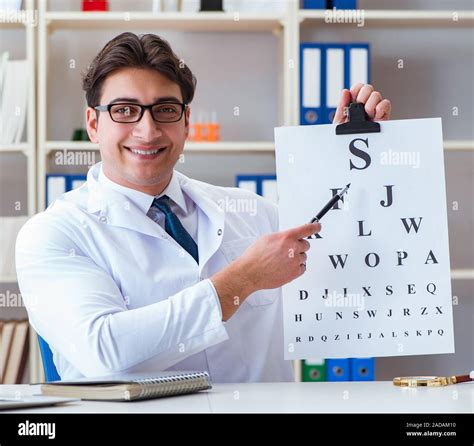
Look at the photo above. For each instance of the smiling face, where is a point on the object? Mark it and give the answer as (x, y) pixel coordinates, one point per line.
(149, 173)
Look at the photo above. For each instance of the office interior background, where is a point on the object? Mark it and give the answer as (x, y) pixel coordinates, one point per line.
(421, 59)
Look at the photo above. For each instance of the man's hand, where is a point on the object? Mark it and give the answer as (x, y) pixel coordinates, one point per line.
(273, 260)
(377, 109)
(277, 258)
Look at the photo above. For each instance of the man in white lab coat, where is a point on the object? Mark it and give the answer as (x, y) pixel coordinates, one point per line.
(143, 269)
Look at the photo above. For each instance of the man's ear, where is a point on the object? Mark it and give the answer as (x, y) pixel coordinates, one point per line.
(187, 114)
(92, 124)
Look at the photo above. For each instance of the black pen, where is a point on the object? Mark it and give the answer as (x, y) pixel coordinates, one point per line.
(329, 205)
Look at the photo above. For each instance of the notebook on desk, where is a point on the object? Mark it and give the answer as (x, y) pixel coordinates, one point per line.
(130, 387)
(9, 402)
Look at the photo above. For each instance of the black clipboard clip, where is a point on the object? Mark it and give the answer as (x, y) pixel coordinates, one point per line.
(358, 121)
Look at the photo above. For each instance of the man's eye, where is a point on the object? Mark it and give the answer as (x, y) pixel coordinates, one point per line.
(126, 110)
(167, 110)
(123, 111)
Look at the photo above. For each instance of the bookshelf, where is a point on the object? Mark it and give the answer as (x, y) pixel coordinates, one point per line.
(286, 26)
(27, 26)
(27, 147)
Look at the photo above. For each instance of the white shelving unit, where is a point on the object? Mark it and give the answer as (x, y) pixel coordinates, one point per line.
(28, 148)
(286, 26)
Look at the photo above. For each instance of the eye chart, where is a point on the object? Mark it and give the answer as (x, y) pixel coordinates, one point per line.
(377, 280)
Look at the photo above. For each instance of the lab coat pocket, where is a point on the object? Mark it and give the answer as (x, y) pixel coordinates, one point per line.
(234, 249)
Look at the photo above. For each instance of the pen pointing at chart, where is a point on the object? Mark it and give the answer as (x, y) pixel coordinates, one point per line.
(329, 205)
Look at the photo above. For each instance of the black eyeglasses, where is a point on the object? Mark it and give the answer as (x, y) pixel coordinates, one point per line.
(126, 113)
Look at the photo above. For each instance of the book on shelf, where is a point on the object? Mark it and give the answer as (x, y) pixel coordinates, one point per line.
(9, 228)
(13, 99)
(13, 350)
(18, 354)
(7, 329)
(130, 387)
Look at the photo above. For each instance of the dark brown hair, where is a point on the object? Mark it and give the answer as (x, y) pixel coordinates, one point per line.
(138, 51)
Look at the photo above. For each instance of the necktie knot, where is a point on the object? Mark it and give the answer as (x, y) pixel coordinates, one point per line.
(174, 227)
(162, 203)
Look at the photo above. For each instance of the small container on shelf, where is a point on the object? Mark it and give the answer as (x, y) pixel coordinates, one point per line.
(213, 128)
(211, 5)
(191, 134)
(200, 128)
(95, 5)
(80, 134)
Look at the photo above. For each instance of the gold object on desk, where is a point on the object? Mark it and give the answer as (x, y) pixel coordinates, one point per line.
(429, 381)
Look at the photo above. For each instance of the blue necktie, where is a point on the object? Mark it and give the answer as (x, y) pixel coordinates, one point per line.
(174, 227)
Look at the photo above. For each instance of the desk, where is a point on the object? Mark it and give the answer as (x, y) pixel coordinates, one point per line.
(325, 397)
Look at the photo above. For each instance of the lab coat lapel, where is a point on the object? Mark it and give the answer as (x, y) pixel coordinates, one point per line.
(117, 210)
(210, 219)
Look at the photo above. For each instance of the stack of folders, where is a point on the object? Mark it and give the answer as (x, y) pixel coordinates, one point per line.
(13, 350)
(326, 69)
(350, 369)
(264, 185)
(13, 99)
(327, 4)
(130, 387)
(58, 184)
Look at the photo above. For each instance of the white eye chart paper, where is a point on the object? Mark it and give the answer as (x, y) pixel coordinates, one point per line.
(377, 280)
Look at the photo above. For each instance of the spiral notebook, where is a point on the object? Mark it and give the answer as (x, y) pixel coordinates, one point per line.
(130, 387)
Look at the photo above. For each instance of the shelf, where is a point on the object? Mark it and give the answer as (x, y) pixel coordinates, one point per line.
(21, 147)
(231, 146)
(392, 18)
(234, 146)
(459, 145)
(216, 147)
(179, 21)
(462, 274)
(8, 279)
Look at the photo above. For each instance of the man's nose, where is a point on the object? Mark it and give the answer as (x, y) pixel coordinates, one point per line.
(147, 127)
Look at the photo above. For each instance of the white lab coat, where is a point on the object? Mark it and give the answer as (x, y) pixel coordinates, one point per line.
(111, 292)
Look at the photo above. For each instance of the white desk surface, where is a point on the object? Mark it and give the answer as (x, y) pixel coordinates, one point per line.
(326, 397)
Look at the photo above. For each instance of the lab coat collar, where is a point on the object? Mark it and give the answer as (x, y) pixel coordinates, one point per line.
(143, 200)
(116, 209)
